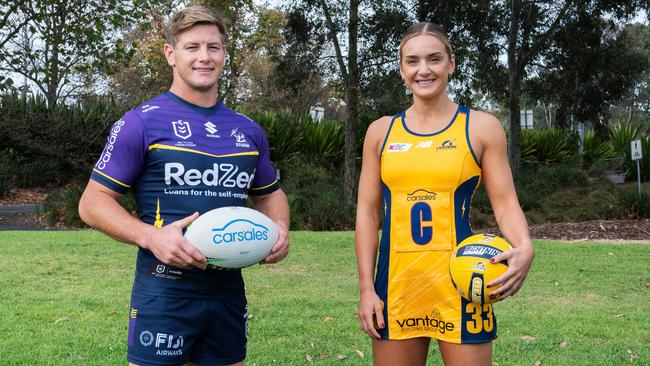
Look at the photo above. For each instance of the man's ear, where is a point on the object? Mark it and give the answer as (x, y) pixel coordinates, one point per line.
(169, 54)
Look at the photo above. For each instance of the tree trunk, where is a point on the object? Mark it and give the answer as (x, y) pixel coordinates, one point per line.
(352, 96)
(423, 10)
(514, 73)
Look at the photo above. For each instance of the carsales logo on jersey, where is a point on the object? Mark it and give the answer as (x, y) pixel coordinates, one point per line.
(106, 154)
(224, 175)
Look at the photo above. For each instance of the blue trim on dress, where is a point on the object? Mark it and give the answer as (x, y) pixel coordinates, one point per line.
(463, 195)
(453, 119)
(383, 262)
(390, 127)
(469, 143)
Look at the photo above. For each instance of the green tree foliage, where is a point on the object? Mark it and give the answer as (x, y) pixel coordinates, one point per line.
(593, 65)
(530, 33)
(240, 16)
(66, 39)
(142, 72)
(635, 106)
(300, 73)
(14, 17)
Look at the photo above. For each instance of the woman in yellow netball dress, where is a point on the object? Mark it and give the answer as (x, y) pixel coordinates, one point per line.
(420, 170)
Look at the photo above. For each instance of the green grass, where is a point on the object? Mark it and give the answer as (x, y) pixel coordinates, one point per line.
(64, 301)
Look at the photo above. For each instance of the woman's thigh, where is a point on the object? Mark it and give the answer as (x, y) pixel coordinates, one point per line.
(407, 352)
(479, 354)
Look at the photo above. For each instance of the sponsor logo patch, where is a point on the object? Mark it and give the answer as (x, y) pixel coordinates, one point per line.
(108, 150)
(398, 147)
(424, 144)
(431, 323)
(166, 345)
(225, 235)
(146, 108)
(240, 138)
(221, 175)
(421, 195)
(447, 145)
(212, 130)
(182, 129)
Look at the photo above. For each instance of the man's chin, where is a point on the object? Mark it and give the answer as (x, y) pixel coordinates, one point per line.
(204, 87)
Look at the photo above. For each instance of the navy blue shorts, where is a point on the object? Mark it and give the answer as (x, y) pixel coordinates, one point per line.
(175, 331)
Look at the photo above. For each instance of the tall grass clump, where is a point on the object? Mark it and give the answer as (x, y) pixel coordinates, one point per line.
(595, 149)
(553, 146)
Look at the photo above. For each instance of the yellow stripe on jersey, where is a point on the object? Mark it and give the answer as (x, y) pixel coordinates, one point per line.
(159, 222)
(168, 147)
(266, 186)
(112, 179)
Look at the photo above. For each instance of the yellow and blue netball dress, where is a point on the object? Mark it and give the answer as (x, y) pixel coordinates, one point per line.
(427, 185)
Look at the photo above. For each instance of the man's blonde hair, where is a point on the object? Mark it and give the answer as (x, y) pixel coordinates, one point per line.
(191, 16)
(426, 28)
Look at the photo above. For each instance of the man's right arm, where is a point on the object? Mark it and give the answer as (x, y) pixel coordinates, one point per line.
(99, 208)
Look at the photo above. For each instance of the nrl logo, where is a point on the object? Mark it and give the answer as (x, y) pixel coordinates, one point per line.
(182, 129)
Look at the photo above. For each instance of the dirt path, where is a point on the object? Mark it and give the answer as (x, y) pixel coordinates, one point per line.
(597, 230)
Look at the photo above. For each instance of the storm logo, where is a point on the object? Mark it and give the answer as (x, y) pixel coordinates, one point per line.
(240, 138)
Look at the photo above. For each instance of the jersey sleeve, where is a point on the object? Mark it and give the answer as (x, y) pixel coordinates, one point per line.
(265, 180)
(123, 156)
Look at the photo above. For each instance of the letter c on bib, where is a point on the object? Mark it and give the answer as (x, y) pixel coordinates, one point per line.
(420, 213)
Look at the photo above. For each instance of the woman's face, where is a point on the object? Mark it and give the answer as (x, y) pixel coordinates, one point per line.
(425, 66)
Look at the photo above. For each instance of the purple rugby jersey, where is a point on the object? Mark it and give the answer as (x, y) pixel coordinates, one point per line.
(179, 158)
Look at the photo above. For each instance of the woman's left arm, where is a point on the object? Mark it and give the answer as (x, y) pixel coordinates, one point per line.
(500, 188)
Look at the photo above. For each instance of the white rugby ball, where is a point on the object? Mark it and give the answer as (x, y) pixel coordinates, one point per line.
(233, 237)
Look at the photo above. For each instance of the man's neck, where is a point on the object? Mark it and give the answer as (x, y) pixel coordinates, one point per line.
(204, 99)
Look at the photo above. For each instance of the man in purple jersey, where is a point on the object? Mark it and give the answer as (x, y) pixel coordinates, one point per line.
(184, 153)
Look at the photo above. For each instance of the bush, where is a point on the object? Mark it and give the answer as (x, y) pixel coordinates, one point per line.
(61, 205)
(315, 199)
(637, 207)
(535, 183)
(293, 135)
(5, 186)
(55, 144)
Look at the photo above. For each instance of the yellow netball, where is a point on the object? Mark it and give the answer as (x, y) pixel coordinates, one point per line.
(471, 270)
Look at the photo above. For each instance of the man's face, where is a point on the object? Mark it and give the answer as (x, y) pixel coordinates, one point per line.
(198, 57)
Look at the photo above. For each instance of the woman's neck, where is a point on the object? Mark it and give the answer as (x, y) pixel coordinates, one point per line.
(432, 110)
